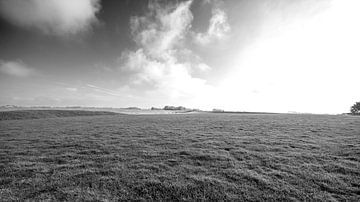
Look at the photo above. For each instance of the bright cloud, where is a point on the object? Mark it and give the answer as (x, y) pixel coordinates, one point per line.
(311, 65)
(15, 68)
(56, 17)
(155, 64)
(162, 28)
(218, 27)
(72, 89)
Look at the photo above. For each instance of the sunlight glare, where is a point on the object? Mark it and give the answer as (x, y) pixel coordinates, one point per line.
(311, 65)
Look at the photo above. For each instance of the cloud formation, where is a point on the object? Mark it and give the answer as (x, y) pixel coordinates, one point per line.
(54, 17)
(162, 28)
(161, 62)
(15, 68)
(103, 90)
(218, 27)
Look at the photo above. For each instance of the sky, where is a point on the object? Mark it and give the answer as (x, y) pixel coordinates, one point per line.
(242, 55)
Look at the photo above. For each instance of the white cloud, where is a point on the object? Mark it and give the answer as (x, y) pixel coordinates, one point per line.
(171, 77)
(156, 63)
(310, 65)
(72, 89)
(15, 68)
(218, 28)
(56, 17)
(162, 28)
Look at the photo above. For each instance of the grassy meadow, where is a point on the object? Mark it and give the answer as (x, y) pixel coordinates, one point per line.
(183, 157)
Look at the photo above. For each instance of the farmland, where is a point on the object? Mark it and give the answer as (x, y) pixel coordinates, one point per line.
(183, 157)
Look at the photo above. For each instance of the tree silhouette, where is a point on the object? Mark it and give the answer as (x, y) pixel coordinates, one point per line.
(355, 109)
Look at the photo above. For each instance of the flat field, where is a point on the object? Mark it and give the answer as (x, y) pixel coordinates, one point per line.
(182, 157)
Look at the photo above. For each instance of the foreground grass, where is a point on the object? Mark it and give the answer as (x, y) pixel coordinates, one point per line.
(43, 114)
(181, 157)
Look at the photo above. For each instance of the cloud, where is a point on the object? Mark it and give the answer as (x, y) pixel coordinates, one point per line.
(218, 27)
(15, 68)
(162, 28)
(162, 63)
(103, 90)
(54, 17)
(71, 89)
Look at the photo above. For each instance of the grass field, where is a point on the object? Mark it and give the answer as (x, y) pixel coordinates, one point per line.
(181, 157)
(42, 114)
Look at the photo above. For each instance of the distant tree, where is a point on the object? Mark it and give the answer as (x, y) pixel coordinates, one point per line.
(174, 108)
(355, 109)
(169, 108)
(136, 108)
(218, 110)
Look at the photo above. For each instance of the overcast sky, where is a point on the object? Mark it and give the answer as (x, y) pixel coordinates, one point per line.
(245, 55)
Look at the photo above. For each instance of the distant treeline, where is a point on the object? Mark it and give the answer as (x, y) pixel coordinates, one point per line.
(168, 107)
